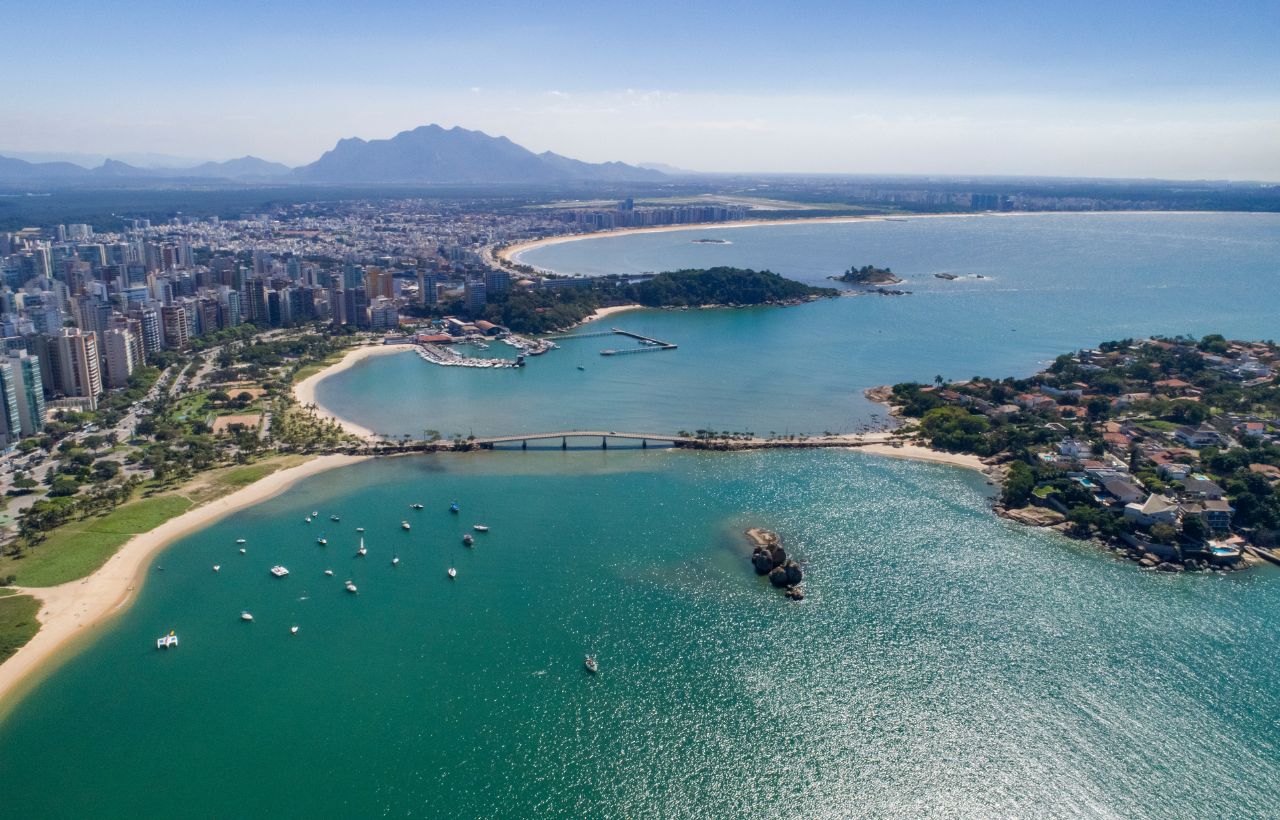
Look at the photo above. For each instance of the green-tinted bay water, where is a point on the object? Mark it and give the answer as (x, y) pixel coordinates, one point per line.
(946, 662)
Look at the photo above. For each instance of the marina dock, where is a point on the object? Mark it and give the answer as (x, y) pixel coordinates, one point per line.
(647, 343)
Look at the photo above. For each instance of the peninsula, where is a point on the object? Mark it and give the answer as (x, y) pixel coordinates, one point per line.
(1165, 449)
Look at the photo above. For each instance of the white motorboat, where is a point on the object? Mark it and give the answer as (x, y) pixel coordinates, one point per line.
(279, 571)
(239, 540)
(217, 567)
(359, 529)
(293, 630)
(453, 573)
(315, 514)
(322, 540)
(242, 550)
(416, 506)
(480, 527)
(362, 551)
(328, 572)
(591, 664)
(404, 525)
(334, 518)
(350, 587)
(307, 520)
(246, 616)
(395, 560)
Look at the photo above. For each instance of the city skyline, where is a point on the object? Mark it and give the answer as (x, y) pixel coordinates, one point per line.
(917, 89)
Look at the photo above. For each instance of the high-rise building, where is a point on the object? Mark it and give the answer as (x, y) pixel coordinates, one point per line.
(149, 321)
(497, 281)
(119, 345)
(258, 310)
(174, 326)
(78, 368)
(474, 297)
(383, 315)
(379, 283)
(10, 420)
(427, 293)
(30, 391)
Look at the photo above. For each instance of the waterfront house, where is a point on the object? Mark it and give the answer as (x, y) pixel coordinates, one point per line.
(1216, 515)
(1123, 490)
(1157, 509)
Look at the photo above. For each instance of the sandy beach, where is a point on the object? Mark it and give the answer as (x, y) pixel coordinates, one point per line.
(305, 390)
(600, 313)
(918, 452)
(75, 609)
(511, 254)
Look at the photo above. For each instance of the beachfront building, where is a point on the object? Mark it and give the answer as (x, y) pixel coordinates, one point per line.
(76, 355)
(10, 420)
(29, 387)
(120, 348)
(383, 315)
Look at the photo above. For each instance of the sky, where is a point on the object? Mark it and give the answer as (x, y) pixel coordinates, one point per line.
(1176, 90)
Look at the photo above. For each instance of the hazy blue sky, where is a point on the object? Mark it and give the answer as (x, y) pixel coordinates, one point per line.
(1171, 89)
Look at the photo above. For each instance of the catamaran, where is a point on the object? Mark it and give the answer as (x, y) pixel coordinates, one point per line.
(279, 571)
(166, 641)
(453, 508)
(468, 540)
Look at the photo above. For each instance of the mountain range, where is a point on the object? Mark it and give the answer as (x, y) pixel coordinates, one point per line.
(425, 155)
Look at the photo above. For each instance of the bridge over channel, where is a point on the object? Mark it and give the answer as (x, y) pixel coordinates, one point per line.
(604, 436)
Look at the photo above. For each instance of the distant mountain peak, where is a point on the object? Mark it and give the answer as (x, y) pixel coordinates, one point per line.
(431, 154)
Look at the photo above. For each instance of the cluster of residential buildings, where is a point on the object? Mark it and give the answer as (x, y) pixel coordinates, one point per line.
(627, 215)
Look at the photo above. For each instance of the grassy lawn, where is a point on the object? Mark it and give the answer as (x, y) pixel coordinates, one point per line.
(1043, 492)
(1159, 425)
(77, 549)
(18, 622)
(306, 371)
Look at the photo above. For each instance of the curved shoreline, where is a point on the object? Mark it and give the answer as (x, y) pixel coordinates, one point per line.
(71, 612)
(511, 254)
(305, 390)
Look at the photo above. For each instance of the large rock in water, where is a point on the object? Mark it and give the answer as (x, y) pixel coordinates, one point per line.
(778, 576)
(762, 561)
(794, 575)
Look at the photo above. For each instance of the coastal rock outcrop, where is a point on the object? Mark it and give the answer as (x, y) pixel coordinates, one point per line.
(769, 558)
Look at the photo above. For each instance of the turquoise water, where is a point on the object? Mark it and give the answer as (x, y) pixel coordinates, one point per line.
(945, 663)
(1053, 284)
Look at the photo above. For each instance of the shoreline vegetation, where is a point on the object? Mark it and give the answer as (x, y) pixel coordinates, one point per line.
(532, 310)
(76, 608)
